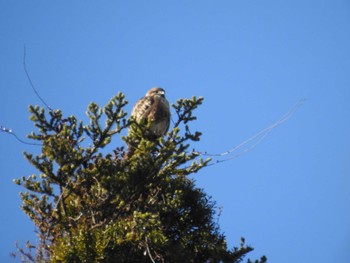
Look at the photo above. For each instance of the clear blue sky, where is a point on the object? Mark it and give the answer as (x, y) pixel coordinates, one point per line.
(251, 61)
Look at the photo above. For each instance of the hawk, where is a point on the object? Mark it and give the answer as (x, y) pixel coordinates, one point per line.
(153, 111)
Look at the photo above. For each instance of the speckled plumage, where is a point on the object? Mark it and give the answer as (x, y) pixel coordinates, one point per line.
(154, 111)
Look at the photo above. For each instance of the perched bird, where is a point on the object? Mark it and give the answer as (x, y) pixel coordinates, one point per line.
(153, 111)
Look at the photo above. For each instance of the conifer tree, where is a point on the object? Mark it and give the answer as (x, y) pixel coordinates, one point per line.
(89, 205)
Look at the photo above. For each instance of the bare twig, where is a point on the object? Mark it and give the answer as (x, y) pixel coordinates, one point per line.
(149, 252)
(220, 209)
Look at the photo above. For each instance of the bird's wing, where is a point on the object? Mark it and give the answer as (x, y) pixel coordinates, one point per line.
(142, 108)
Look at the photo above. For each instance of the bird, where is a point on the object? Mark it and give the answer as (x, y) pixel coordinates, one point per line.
(152, 111)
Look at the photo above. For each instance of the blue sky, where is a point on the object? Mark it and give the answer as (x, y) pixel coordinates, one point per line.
(250, 60)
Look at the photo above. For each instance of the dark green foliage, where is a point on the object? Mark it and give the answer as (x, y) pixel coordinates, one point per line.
(93, 206)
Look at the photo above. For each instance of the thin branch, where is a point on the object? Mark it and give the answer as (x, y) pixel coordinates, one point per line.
(220, 209)
(149, 252)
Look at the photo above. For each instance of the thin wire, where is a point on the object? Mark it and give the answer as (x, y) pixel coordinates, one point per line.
(30, 80)
(260, 136)
(9, 131)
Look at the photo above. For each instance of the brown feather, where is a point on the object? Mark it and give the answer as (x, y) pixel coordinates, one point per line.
(153, 110)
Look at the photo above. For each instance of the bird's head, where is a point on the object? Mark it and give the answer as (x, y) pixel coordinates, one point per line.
(156, 91)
